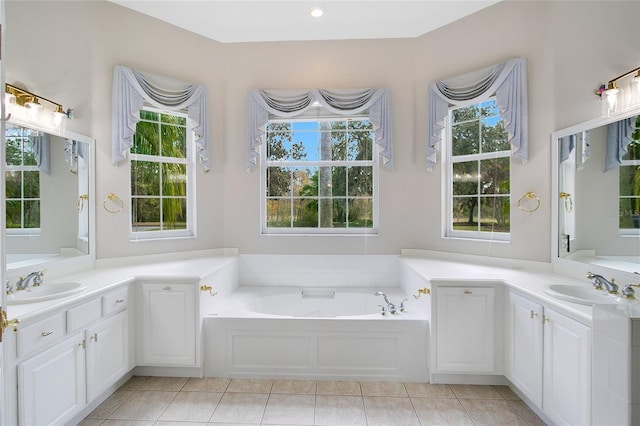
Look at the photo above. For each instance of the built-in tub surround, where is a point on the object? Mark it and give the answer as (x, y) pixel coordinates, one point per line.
(317, 333)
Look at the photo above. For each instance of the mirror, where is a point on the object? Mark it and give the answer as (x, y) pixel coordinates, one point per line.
(48, 181)
(597, 212)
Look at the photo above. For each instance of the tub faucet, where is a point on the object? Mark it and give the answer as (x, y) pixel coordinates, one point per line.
(23, 282)
(599, 283)
(391, 307)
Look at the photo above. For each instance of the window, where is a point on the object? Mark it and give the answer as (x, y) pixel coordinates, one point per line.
(22, 181)
(161, 181)
(630, 188)
(319, 176)
(477, 173)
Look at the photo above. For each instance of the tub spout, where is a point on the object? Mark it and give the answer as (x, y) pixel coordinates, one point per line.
(391, 308)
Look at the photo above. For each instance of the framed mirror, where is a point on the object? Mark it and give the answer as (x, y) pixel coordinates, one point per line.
(49, 207)
(596, 192)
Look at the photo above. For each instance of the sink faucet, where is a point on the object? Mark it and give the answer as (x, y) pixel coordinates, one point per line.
(599, 282)
(36, 277)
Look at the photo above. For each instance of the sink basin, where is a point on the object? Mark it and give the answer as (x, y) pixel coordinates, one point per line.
(44, 292)
(584, 295)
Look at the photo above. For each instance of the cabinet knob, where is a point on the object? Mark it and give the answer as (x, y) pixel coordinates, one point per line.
(533, 314)
(545, 319)
(119, 300)
(468, 292)
(95, 337)
(46, 333)
(167, 288)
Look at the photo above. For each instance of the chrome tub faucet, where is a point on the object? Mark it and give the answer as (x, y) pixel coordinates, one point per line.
(36, 277)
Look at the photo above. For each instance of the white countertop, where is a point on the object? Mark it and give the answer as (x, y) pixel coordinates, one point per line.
(188, 266)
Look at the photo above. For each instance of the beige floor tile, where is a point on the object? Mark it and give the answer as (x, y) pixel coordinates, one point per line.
(110, 404)
(250, 385)
(389, 411)
(299, 387)
(206, 384)
(429, 390)
(507, 393)
(289, 409)
(170, 384)
(332, 387)
(526, 413)
(164, 423)
(90, 422)
(383, 389)
(475, 391)
(440, 411)
(491, 412)
(127, 423)
(134, 383)
(340, 410)
(143, 405)
(231, 424)
(192, 407)
(240, 407)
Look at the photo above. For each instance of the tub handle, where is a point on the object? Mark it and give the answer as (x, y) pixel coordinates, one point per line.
(205, 287)
(422, 291)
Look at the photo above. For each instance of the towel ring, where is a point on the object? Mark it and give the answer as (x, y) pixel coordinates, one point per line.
(529, 196)
(568, 202)
(113, 199)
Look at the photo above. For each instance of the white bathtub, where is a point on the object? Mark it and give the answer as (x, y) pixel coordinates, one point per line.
(315, 333)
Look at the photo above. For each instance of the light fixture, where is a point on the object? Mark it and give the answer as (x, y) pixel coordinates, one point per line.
(612, 93)
(24, 105)
(316, 12)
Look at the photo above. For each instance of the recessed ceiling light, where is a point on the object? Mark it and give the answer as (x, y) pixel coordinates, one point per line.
(316, 12)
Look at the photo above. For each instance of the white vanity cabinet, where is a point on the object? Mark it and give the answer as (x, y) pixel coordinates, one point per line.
(86, 350)
(549, 360)
(465, 330)
(51, 385)
(168, 319)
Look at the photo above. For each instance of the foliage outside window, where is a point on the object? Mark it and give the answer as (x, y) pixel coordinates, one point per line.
(319, 177)
(22, 182)
(160, 176)
(630, 185)
(478, 173)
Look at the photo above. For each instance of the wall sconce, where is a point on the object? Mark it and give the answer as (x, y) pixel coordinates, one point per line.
(618, 98)
(26, 106)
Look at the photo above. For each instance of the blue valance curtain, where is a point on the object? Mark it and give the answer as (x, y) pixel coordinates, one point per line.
(132, 89)
(42, 151)
(265, 104)
(618, 140)
(508, 81)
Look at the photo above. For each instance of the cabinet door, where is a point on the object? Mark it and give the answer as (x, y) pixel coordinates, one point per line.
(168, 324)
(465, 327)
(107, 353)
(524, 362)
(567, 362)
(51, 385)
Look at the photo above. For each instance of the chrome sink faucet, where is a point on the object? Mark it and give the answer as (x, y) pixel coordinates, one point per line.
(36, 277)
(601, 283)
(391, 307)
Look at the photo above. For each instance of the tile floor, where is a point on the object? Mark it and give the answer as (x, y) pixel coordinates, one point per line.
(171, 401)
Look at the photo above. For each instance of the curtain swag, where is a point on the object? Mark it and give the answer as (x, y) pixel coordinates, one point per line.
(508, 81)
(291, 103)
(618, 140)
(132, 89)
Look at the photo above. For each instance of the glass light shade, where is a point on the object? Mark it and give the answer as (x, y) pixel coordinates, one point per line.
(611, 96)
(634, 90)
(9, 98)
(316, 12)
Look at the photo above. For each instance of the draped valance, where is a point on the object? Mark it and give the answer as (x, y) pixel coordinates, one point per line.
(266, 104)
(507, 81)
(618, 140)
(132, 89)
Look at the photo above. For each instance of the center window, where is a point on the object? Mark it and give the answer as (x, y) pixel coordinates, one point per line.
(319, 177)
(478, 173)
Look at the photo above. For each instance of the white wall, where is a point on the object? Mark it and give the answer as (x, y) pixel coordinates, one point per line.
(566, 44)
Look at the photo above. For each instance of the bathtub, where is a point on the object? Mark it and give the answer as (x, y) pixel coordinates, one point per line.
(315, 333)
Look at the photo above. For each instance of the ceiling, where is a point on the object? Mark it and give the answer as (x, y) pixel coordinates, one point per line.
(265, 20)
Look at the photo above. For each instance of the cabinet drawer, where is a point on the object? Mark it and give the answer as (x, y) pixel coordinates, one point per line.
(40, 334)
(115, 301)
(83, 315)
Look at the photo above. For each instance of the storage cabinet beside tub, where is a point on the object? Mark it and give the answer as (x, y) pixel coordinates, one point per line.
(168, 324)
(549, 361)
(465, 329)
(57, 383)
